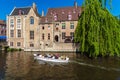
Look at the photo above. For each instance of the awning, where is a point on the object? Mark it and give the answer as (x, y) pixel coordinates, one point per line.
(3, 37)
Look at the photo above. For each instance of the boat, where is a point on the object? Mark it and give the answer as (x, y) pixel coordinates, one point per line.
(52, 59)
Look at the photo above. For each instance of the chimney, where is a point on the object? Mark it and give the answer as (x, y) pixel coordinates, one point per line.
(75, 4)
(42, 12)
(34, 7)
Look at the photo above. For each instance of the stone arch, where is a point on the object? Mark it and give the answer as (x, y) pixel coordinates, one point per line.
(56, 38)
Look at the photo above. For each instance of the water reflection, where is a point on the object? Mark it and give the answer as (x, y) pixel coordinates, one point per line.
(2, 65)
(22, 66)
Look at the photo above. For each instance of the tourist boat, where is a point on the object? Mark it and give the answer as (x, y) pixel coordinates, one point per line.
(40, 57)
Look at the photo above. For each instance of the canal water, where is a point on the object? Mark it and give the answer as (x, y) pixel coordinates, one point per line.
(23, 66)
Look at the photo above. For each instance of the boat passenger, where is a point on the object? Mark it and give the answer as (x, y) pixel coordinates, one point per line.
(48, 55)
(40, 55)
(63, 57)
(67, 58)
(53, 57)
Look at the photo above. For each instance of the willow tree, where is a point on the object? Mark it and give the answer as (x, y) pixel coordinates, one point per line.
(98, 32)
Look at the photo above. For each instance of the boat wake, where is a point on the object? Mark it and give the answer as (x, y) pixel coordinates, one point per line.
(96, 66)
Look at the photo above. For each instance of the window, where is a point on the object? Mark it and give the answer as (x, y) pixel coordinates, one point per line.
(72, 25)
(63, 12)
(57, 24)
(48, 27)
(31, 34)
(63, 26)
(63, 35)
(48, 36)
(72, 34)
(31, 20)
(18, 23)
(31, 45)
(18, 44)
(43, 36)
(18, 33)
(55, 17)
(69, 17)
(11, 43)
(46, 19)
(56, 28)
(11, 33)
(43, 27)
(11, 23)
(2, 32)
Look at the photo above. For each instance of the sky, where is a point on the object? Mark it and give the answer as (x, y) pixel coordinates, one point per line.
(6, 6)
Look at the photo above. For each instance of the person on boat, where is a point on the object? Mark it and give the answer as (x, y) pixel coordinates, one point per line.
(66, 58)
(46, 55)
(63, 57)
(38, 54)
(57, 55)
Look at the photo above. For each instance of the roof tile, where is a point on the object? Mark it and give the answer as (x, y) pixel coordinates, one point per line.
(62, 14)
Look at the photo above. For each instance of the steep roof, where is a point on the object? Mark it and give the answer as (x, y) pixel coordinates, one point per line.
(22, 11)
(2, 22)
(62, 14)
(46, 19)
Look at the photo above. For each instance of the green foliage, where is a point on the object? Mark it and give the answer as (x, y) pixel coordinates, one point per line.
(98, 32)
(13, 49)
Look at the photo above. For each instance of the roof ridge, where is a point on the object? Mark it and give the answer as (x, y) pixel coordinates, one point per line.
(65, 7)
(24, 7)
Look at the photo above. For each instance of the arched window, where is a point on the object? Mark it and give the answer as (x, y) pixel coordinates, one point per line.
(31, 20)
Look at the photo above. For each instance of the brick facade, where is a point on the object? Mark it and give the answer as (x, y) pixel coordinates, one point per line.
(28, 30)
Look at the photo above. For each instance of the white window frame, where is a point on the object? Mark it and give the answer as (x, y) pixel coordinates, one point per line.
(18, 23)
(11, 27)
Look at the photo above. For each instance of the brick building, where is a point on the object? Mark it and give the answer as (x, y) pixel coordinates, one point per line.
(28, 30)
(2, 28)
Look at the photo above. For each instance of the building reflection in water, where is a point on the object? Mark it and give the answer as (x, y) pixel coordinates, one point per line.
(22, 66)
(2, 65)
(18, 64)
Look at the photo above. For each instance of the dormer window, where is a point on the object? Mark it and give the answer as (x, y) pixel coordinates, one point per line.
(31, 20)
(46, 19)
(63, 12)
(69, 17)
(20, 11)
(55, 17)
